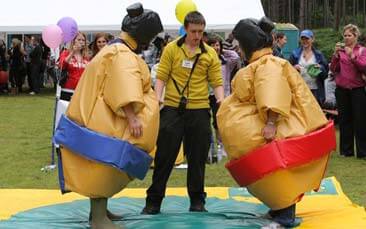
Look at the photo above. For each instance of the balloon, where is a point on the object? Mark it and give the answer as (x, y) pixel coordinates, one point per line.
(52, 36)
(182, 8)
(182, 31)
(69, 28)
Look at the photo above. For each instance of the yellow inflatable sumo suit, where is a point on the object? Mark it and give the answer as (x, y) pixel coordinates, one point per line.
(271, 83)
(115, 77)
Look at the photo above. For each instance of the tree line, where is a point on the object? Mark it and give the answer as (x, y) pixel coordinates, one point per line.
(316, 14)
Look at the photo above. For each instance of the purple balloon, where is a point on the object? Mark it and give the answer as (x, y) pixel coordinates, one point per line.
(69, 28)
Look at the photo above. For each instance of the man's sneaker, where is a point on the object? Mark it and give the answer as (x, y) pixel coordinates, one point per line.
(150, 210)
(32, 93)
(197, 208)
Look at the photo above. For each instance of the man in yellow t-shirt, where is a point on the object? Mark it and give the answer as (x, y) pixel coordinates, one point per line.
(186, 69)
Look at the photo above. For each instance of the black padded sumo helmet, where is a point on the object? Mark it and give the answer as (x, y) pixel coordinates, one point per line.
(141, 24)
(253, 35)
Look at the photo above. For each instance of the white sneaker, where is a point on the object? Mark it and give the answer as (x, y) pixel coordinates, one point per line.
(273, 225)
(181, 166)
(32, 93)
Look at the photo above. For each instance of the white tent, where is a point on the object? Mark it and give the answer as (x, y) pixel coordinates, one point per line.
(24, 16)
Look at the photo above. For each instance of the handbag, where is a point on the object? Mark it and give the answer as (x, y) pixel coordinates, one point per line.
(3, 77)
(64, 74)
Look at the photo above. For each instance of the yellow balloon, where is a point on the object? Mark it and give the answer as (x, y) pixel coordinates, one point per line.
(182, 8)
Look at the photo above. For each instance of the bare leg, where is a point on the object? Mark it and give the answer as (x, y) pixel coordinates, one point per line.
(110, 215)
(99, 215)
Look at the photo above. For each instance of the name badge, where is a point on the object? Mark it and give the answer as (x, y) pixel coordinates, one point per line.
(187, 64)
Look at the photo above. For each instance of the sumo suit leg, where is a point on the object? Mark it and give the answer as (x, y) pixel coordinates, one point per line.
(110, 215)
(98, 208)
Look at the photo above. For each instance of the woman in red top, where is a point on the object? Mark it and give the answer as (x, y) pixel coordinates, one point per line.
(74, 61)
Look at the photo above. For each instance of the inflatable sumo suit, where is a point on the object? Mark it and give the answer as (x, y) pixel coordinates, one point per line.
(99, 156)
(280, 172)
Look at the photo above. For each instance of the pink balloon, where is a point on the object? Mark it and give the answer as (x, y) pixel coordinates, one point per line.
(52, 36)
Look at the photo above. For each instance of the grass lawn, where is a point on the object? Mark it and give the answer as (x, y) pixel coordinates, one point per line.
(25, 146)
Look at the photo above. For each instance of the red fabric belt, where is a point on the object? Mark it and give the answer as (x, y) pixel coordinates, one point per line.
(282, 154)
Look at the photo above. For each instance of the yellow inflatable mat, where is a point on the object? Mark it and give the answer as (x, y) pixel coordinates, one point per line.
(227, 208)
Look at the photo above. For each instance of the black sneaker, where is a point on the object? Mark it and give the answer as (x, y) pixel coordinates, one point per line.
(198, 208)
(150, 210)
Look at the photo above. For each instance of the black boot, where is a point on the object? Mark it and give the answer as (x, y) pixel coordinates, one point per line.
(150, 209)
(197, 206)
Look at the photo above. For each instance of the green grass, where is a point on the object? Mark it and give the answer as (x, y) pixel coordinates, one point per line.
(25, 146)
(325, 40)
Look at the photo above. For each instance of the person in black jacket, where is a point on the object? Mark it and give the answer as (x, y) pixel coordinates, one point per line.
(36, 63)
(280, 41)
(3, 62)
(17, 68)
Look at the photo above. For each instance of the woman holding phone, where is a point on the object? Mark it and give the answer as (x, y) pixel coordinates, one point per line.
(73, 61)
(348, 63)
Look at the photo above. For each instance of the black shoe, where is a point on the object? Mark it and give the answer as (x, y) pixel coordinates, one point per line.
(198, 208)
(150, 210)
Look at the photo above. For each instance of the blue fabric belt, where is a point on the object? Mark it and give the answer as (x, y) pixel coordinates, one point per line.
(101, 148)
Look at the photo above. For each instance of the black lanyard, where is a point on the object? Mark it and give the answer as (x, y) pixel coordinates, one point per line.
(189, 78)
